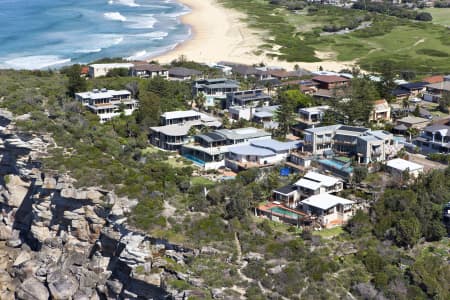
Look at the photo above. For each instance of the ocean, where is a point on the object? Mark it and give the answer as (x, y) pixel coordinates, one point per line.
(41, 34)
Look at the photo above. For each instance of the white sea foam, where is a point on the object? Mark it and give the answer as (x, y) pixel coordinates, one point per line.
(115, 16)
(89, 50)
(35, 62)
(130, 3)
(156, 35)
(138, 55)
(142, 22)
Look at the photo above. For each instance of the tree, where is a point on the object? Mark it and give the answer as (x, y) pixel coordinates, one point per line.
(76, 83)
(444, 102)
(363, 94)
(407, 231)
(359, 174)
(200, 101)
(285, 115)
(387, 83)
(299, 99)
(424, 16)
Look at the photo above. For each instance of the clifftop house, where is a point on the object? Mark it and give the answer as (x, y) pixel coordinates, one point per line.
(149, 71)
(107, 104)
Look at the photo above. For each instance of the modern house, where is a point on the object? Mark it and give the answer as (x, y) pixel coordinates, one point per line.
(265, 114)
(179, 116)
(98, 70)
(414, 88)
(312, 183)
(180, 73)
(214, 89)
(328, 210)
(176, 128)
(398, 166)
(367, 145)
(246, 98)
(107, 104)
(435, 91)
(434, 139)
(149, 71)
(413, 122)
(246, 72)
(209, 149)
(309, 117)
(381, 111)
(330, 82)
(259, 153)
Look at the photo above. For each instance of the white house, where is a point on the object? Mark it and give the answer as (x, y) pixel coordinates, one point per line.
(97, 70)
(314, 183)
(397, 166)
(107, 104)
(329, 210)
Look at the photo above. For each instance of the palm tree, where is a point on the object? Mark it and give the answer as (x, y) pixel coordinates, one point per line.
(200, 101)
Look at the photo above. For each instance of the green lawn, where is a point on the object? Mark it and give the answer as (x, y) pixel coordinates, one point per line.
(201, 181)
(441, 16)
(329, 233)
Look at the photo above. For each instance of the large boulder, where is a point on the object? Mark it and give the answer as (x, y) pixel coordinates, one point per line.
(62, 285)
(17, 189)
(32, 289)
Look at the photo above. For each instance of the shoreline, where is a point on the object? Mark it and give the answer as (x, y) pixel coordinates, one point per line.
(219, 34)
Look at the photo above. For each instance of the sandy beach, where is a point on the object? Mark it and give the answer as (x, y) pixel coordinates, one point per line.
(219, 34)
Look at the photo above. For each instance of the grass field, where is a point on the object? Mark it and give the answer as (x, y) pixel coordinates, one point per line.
(409, 45)
(441, 16)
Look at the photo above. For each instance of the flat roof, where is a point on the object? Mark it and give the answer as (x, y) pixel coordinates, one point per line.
(309, 184)
(263, 114)
(101, 94)
(324, 179)
(174, 130)
(243, 133)
(180, 114)
(326, 201)
(251, 150)
(413, 120)
(112, 65)
(275, 145)
(402, 165)
(323, 128)
(445, 85)
(286, 190)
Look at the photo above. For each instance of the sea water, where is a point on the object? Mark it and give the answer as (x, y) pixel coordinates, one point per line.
(41, 34)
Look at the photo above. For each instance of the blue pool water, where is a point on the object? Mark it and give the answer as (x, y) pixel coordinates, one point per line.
(194, 159)
(336, 165)
(41, 34)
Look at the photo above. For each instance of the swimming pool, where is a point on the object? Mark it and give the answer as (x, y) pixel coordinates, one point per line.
(338, 165)
(281, 211)
(194, 159)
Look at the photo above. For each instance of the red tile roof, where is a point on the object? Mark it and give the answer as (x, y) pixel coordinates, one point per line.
(434, 79)
(330, 78)
(85, 70)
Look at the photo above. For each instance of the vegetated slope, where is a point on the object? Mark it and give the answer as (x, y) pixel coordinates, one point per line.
(396, 250)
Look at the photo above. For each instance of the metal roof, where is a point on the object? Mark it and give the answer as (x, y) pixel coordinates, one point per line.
(286, 190)
(326, 201)
(243, 133)
(308, 184)
(324, 179)
(180, 114)
(275, 145)
(174, 130)
(402, 165)
(251, 150)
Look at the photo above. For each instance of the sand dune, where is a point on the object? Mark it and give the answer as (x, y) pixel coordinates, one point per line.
(219, 34)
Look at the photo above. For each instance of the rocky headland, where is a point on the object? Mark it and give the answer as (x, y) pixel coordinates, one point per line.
(62, 242)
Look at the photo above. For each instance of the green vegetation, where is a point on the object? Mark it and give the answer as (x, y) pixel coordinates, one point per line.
(395, 251)
(440, 15)
(388, 38)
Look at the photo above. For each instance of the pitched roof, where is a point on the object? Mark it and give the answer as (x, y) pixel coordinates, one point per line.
(286, 190)
(330, 78)
(444, 86)
(434, 79)
(149, 68)
(183, 72)
(251, 150)
(326, 201)
(413, 85)
(275, 145)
